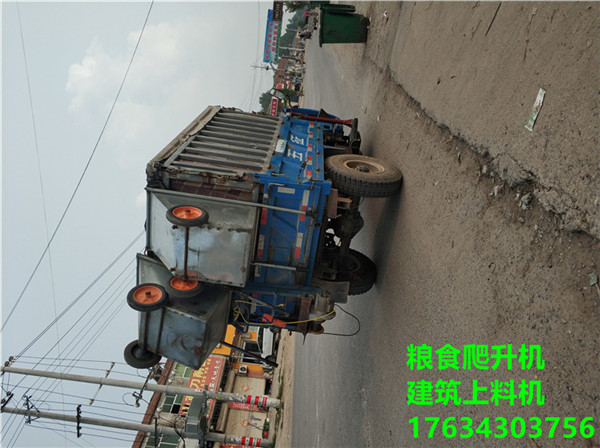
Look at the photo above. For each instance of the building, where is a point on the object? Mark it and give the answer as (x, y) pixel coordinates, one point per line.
(225, 370)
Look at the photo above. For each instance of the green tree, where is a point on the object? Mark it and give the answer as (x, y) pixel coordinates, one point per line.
(294, 6)
(295, 22)
(265, 101)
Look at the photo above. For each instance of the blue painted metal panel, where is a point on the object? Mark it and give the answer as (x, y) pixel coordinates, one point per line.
(295, 181)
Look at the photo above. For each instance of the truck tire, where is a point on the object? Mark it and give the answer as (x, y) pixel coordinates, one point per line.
(147, 297)
(178, 288)
(358, 175)
(187, 216)
(359, 270)
(139, 358)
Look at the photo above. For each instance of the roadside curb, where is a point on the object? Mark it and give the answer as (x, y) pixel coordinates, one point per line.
(282, 388)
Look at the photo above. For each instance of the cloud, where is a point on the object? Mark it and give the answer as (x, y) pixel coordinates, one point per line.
(91, 80)
(140, 200)
(181, 66)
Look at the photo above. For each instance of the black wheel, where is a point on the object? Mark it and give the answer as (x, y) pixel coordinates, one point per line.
(139, 358)
(358, 269)
(147, 297)
(271, 358)
(179, 288)
(187, 216)
(358, 175)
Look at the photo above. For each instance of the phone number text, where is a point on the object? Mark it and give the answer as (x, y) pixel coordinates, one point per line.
(500, 427)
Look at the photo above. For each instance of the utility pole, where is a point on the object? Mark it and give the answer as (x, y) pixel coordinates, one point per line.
(291, 49)
(257, 400)
(268, 67)
(160, 429)
(191, 430)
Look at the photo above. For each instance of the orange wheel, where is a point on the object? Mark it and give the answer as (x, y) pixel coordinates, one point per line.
(182, 285)
(147, 297)
(187, 212)
(179, 287)
(187, 216)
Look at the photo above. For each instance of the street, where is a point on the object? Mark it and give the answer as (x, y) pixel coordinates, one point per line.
(467, 253)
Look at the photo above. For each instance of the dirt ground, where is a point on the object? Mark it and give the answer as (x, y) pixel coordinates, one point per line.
(283, 378)
(479, 75)
(505, 220)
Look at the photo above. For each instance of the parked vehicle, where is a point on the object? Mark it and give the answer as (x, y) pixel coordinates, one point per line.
(249, 222)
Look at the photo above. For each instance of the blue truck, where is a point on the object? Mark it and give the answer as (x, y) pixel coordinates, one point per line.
(249, 222)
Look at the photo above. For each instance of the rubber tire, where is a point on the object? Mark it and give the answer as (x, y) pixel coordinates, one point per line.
(139, 358)
(144, 307)
(384, 181)
(195, 222)
(362, 277)
(183, 294)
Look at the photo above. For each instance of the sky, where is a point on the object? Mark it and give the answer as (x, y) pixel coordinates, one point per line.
(71, 177)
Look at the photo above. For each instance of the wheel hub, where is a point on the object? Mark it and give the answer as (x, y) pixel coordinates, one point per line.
(363, 166)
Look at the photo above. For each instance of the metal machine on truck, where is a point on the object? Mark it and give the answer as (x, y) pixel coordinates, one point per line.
(249, 222)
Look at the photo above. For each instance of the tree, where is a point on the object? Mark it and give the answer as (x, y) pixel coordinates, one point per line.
(265, 101)
(294, 6)
(295, 22)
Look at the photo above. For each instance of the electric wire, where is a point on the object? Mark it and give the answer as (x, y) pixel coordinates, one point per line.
(82, 174)
(102, 414)
(17, 434)
(113, 409)
(126, 409)
(76, 403)
(39, 166)
(23, 359)
(351, 315)
(87, 369)
(74, 396)
(51, 364)
(46, 426)
(258, 33)
(101, 432)
(42, 380)
(111, 264)
(91, 431)
(105, 361)
(88, 327)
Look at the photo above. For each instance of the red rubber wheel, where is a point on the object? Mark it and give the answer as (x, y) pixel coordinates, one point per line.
(147, 297)
(187, 216)
(178, 287)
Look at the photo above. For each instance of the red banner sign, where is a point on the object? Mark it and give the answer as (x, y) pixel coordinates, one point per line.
(209, 375)
(274, 104)
(245, 407)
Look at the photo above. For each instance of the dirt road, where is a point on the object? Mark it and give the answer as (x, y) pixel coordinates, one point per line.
(476, 248)
(477, 69)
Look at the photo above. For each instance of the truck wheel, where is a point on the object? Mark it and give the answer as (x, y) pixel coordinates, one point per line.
(147, 297)
(179, 288)
(358, 175)
(359, 270)
(187, 216)
(139, 358)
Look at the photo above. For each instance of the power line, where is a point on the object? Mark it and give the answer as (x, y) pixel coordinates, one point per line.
(82, 174)
(87, 327)
(81, 294)
(39, 164)
(11, 419)
(47, 427)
